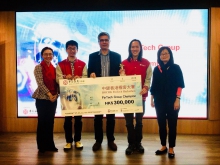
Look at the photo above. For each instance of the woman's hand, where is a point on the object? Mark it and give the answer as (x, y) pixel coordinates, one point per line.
(177, 104)
(53, 97)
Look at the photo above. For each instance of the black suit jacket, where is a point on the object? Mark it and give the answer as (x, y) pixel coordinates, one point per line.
(94, 64)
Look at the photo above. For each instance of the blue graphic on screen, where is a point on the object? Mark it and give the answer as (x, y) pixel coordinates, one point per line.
(185, 31)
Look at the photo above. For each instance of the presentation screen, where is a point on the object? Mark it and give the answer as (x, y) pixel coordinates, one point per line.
(184, 31)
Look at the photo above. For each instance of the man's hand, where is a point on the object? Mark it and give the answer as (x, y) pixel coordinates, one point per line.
(143, 91)
(93, 75)
(69, 77)
(76, 77)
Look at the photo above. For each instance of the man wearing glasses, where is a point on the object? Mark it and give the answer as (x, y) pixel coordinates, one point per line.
(104, 63)
(72, 68)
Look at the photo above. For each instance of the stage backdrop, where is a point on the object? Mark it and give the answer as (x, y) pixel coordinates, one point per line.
(184, 31)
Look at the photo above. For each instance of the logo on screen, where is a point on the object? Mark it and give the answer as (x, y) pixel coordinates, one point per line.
(25, 111)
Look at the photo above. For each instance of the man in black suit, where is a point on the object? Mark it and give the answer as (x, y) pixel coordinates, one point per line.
(104, 63)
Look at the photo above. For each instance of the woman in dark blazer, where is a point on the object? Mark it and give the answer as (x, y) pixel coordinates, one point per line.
(165, 91)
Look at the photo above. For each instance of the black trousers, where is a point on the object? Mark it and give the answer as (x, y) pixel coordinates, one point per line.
(135, 134)
(46, 112)
(166, 113)
(110, 127)
(77, 128)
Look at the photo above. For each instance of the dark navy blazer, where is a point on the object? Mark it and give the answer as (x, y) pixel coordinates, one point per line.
(94, 64)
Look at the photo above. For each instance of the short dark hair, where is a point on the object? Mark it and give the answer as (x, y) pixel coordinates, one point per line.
(130, 53)
(71, 42)
(45, 48)
(103, 34)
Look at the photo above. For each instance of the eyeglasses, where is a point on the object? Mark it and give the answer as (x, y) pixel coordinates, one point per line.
(72, 48)
(48, 54)
(164, 54)
(104, 40)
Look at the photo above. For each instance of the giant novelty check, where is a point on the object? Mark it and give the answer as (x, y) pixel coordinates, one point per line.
(101, 95)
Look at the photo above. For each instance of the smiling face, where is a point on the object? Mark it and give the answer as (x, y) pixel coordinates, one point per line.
(47, 56)
(71, 51)
(165, 56)
(135, 49)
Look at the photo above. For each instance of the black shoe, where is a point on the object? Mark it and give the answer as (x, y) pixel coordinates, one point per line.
(54, 149)
(130, 149)
(139, 148)
(112, 146)
(159, 152)
(96, 146)
(171, 155)
(41, 150)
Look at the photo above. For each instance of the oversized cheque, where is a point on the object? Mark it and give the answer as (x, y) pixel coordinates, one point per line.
(101, 95)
